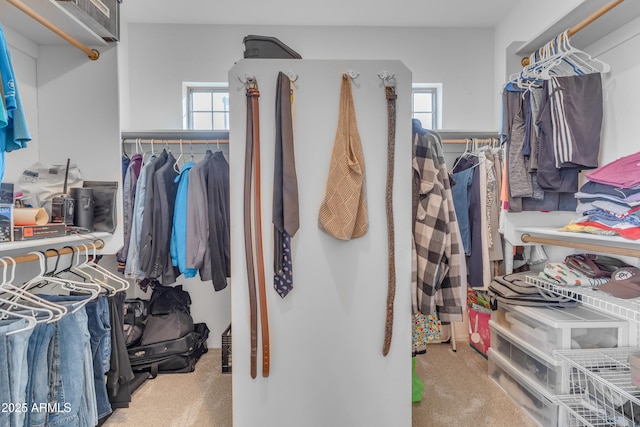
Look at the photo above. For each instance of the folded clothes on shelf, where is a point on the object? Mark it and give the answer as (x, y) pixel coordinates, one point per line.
(623, 172)
(561, 274)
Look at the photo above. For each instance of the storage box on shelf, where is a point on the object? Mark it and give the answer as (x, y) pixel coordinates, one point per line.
(537, 366)
(532, 398)
(549, 328)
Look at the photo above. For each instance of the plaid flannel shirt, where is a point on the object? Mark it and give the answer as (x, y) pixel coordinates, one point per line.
(438, 253)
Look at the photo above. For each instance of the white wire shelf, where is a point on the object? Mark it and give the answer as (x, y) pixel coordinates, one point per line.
(628, 309)
(601, 390)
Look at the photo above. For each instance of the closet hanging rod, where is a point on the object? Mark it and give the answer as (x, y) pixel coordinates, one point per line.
(585, 22)
(175, 141)
(93, 54)
(50, 253)
(176, 134)
(527, 238)
(478, 140)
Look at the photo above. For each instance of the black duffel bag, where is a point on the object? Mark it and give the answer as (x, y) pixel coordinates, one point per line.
(514, 289)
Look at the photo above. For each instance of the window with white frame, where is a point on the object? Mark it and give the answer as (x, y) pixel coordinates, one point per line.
(207, 107)
(426, 104)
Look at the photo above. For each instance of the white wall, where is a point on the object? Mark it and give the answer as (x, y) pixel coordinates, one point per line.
(327, 367)
(163, 56)
(24, 54)
(621, 91)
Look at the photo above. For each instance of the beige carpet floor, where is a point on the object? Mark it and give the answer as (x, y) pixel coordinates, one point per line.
(458, 392)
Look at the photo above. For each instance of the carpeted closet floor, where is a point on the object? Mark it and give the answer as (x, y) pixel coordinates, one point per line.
(458, 392)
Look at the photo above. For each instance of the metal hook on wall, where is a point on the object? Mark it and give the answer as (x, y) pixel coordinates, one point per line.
(389, 79)
(353, 74)
(292, 76)
(249, 80)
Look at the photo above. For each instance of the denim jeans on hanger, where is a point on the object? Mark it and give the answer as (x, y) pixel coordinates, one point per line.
(100, 330)
(13, 363)
(71, 370)
(39, 360)
(460, 193)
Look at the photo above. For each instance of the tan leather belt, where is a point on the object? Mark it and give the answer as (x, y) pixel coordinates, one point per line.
(252, 164)
(391, 293)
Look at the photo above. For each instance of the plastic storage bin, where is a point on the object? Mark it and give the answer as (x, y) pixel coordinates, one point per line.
(551, 329)
(524, 393)
(539, 367)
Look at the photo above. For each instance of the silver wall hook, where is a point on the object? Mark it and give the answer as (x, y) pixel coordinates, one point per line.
(389, 79)
(353, 74)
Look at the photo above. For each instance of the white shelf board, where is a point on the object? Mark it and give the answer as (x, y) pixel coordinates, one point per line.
(56, 242)
(12, 17)
(620, 15)
(554, 233)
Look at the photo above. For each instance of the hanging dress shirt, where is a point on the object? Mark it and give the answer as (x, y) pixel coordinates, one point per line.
(179, 232)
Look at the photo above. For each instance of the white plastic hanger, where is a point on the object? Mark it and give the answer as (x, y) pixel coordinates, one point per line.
(52, 312)
(92, 289)
(176, 165)
(124, 285)
(84, 271)
(57, 310)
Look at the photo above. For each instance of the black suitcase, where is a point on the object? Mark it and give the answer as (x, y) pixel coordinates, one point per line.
(174, 356)
(267, 47)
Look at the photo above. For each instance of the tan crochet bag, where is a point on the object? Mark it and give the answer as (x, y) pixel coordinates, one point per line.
(343, 213)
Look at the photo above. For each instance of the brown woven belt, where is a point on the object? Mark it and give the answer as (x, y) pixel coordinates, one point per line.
(252, 164)
(391, 134)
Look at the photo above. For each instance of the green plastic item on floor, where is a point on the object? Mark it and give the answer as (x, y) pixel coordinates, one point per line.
(417, 386)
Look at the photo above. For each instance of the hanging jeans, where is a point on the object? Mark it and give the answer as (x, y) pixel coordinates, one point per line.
(13, 372)
(38, 359)
(100, 331)
(72, 388)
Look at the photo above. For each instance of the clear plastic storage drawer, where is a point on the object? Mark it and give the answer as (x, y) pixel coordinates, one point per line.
(549, 329)
(532, 363)
(525, 394)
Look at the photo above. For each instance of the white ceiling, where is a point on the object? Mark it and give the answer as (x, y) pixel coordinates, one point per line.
(422, 13)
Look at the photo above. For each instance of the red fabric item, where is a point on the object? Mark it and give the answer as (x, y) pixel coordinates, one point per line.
(632, 233)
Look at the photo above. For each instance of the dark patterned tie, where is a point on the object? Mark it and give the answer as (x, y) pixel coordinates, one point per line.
(283, 279)
(285, 190)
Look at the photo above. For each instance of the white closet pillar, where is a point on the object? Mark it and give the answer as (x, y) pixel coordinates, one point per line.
(327, 367)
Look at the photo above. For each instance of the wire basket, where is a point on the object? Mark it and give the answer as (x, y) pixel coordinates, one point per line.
(226, 350)
(601, 393)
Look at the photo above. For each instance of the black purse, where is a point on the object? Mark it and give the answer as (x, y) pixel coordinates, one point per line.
(105, 195)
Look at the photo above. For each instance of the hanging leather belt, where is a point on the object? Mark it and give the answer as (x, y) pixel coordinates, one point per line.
(248, 237)
(252, 164)
(391, 293)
